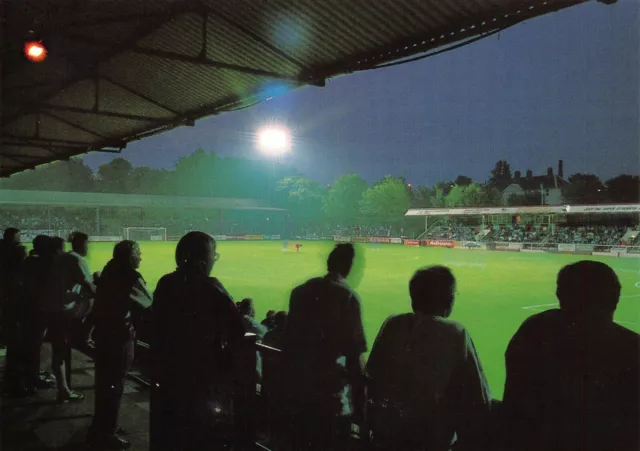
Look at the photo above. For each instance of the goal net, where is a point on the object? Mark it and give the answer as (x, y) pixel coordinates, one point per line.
(145, 233)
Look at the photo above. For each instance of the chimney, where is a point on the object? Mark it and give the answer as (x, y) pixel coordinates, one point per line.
(529, 173)
(549, 172)
(517, 175)
(560, 168)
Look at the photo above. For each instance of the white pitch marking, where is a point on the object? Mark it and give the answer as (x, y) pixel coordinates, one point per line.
(637, 284)
(531, 307)
(624, 322)
(630, 296)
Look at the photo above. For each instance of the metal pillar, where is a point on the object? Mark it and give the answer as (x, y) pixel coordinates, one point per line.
(98, 221)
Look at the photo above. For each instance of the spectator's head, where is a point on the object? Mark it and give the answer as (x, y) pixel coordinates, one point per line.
(280, 319)
(340, 259)
(588, 289)
(196, 253)
(41, 245)
(79, 243)
(245, 307)
(56, 245)
(11, 235)
(127, 253)
(270, 315)
(432, 291)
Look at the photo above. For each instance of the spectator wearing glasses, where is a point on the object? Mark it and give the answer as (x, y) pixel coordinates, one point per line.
(196, 325)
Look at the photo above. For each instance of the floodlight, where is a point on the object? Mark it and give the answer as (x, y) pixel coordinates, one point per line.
(274, 141)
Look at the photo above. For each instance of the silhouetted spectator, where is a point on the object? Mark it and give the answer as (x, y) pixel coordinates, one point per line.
(246, 308)
(35, 267)
(572, 373)
(271, 361)
(196, 325)
(323, 349)
(12, 256)
(268, 321)
(427, 383)
(272, 367)
(120, 289)
(67, 294)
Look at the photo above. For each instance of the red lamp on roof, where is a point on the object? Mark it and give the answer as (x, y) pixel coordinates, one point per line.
(35, 51)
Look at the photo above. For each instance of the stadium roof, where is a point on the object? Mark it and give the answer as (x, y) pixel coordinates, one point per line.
(121, 70)
(71, 199)
(543, 209)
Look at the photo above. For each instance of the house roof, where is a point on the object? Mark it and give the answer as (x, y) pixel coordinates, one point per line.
(533, 183)
(121, 70)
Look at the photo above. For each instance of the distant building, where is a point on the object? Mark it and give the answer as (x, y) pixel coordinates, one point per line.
(548, 188)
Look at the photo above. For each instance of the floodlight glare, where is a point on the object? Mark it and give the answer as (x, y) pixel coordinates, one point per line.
(274, 141)
(35, 51)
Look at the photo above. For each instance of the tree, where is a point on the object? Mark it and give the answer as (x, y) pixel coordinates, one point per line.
(584, 189)
(624, 189)
(386, 202)
(472, 195)
(463, 180)
(72, 175)
(475, 196)
(500, 176)
(144, 180)
(304, 199)
(420, 197)
(455, 198)
(115, 176)
(342, 201)
(437, 198)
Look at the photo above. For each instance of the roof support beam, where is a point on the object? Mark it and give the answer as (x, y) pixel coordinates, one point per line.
(30, 141)
(203, 61)
(71, 109)
(71, 124)
(254, 37)
(140, 95)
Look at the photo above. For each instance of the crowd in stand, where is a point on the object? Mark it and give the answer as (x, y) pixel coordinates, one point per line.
(604, 235)
(572, 381)
(593, 234)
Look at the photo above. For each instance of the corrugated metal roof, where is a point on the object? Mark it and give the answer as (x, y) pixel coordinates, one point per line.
(120, 70)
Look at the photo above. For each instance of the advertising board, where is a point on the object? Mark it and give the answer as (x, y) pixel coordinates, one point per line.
(379, 239)
(341, 239)
(396, 240)
(253, 237)
(108, 238)
(505, 247)
(235, 237)
(220, 237)
(439, 243)
(311, 237)
(413, 243)
(566, 247)
(515, 245)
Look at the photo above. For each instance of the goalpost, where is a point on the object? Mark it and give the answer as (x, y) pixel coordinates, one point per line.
(145, 233)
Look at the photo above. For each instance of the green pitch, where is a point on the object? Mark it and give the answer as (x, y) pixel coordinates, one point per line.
(496, 290)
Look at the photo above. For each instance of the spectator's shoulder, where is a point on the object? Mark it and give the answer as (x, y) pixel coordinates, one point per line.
(543, 319)
(450, 324)
(216, 285)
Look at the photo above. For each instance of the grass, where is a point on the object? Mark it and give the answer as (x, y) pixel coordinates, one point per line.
(495, 291)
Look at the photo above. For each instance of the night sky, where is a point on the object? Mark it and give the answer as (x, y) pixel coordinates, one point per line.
(562, 86)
